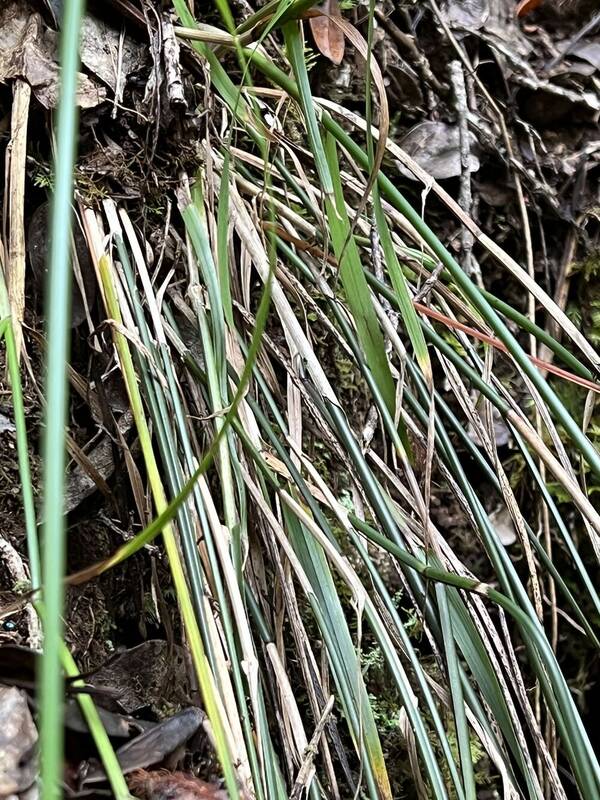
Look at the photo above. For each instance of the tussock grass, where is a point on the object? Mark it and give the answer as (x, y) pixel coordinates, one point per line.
(280, 577)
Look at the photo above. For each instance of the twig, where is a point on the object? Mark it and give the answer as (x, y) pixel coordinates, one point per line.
(120, 80)
(15, 567)
(407, 42)
(152, 90)
(170, 51)
(16, 154)
(311, 752)
(427, 287)
(465, 198)
(587, 28)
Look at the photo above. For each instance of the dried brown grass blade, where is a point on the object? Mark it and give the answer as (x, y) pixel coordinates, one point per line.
(16, 158)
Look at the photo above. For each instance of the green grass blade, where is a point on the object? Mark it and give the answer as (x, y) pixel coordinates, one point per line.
(460, 721)
(57, 315)
(33, 546)
(223, 241)
(355, 285)
(295, 51)
(469, 289)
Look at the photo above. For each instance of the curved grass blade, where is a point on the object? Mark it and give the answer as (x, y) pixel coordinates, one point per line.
(555, 688)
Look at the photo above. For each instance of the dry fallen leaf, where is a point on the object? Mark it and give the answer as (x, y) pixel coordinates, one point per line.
(29, 50)
(327, 35)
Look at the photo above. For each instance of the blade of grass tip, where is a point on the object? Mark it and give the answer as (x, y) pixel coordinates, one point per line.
(400, 285)
(57, 314)
(144, 537)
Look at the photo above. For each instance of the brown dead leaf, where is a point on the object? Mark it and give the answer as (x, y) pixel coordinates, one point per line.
(328, 36)
(29, 50)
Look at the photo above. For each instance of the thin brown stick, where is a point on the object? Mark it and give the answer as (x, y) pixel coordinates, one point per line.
(310, 752)
(16, 156)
